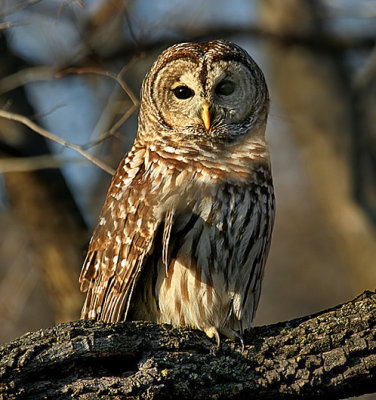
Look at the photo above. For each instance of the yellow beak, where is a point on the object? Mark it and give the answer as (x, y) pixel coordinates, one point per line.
(205, 116)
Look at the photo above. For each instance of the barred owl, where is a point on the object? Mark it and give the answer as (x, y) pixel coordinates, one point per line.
(185, 230)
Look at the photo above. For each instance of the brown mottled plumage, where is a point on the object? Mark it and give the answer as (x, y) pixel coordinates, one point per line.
(185, 230)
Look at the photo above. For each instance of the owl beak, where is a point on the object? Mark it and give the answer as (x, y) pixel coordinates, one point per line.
(205, 116)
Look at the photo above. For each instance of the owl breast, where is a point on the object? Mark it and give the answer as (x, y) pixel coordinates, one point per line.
(211, 277)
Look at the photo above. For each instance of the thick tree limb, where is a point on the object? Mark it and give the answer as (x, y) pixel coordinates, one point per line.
(328, 355)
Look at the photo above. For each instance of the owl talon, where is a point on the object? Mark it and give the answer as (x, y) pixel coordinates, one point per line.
(213, 333)
(215, 350)
(239, 336)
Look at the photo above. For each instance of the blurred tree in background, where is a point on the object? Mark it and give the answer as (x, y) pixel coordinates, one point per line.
(74, 68)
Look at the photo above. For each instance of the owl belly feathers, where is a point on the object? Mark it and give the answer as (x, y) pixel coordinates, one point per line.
(211, 279)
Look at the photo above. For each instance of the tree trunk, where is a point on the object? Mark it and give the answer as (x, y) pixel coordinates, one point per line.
(328, 355)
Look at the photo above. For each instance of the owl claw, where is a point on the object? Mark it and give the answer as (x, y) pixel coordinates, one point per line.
(212, 332)
(241, 339)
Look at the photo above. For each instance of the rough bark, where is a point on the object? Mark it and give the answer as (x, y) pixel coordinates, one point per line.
(328, 355)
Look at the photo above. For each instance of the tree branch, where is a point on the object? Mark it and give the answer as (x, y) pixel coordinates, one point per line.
(18, 164)
(43, 132)
(328, 355)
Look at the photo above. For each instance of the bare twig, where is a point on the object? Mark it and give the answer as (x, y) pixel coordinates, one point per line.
(124, 117)
(67, 3)
(119, 79)
(42, 73)
(19, 7)
(96, 71)
(112, 131)
(26, 75)
(18, 164)
(11, 24)
(33, 126)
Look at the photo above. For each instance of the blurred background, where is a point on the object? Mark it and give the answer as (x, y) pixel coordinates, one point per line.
(74, 68)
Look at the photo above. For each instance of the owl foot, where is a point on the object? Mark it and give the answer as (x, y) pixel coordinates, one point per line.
(212, 332)
(239, 336)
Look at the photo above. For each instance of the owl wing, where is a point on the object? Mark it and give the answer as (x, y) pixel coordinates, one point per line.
(251, 258)
(122, 240)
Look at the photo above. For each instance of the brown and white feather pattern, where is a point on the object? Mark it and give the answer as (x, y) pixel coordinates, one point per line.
(217, 247)
(185, 230)
(121, 241)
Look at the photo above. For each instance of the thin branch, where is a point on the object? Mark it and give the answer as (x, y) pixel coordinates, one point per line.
(33, 126)
(119, 79)
(43, 73)
(67, 3)
(123, 118)
(18, 164)
(112, 131)
(33, 74)
(26, 75)
(96, 71)
(19, 7)
(11, 24)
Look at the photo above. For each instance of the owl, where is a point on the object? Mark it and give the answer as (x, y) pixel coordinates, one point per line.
(186, 227)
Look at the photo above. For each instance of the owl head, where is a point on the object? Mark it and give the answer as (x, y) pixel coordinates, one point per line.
(210, 92)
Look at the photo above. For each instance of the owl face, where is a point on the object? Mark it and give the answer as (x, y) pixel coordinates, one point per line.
(212, 90)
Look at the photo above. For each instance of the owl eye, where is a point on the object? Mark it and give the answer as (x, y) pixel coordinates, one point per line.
(225, 88)
(183, 92)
